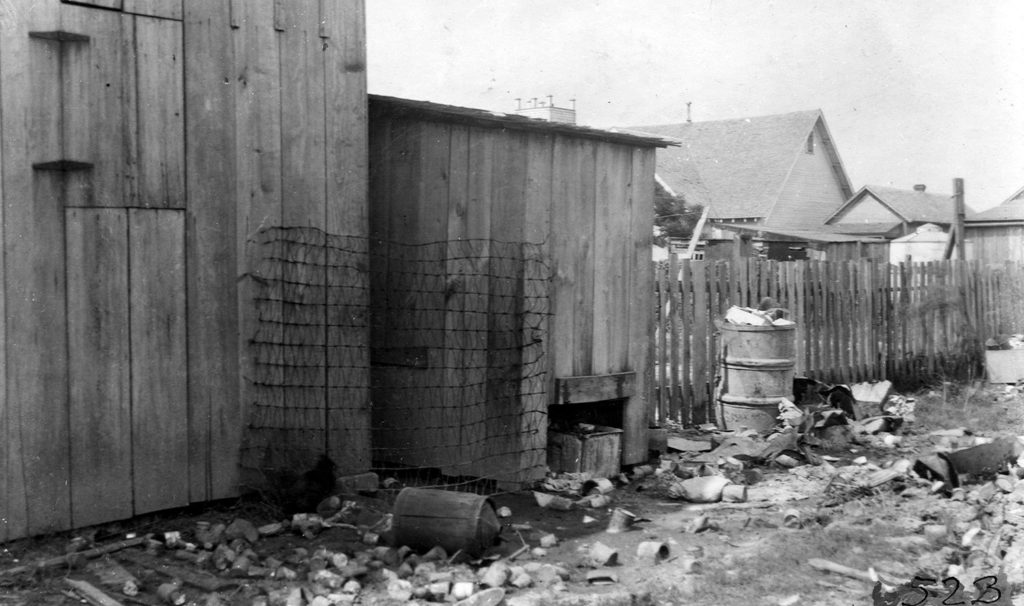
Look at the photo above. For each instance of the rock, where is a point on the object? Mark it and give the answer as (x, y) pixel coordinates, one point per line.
(495, 575)
(400, 590)
(487, 597)
(548, 540)
(328, 579)
(241, 528)
(1013, 563)
(463, 589)
(521, 580)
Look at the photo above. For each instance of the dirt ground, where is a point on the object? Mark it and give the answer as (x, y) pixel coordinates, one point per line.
(759, 551)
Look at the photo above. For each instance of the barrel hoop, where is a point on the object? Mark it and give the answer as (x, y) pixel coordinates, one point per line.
(765, 363)
(750, 400)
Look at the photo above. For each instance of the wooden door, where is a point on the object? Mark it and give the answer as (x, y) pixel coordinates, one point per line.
(114, 80)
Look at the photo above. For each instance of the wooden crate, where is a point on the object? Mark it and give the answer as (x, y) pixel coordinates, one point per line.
(598, 452)
(1004, 365)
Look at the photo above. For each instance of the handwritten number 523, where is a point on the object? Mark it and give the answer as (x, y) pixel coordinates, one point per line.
(987, 592)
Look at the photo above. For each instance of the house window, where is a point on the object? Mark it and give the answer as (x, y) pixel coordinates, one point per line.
(809, 148)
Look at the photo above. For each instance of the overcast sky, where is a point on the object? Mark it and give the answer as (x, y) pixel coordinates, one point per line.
(913, 91)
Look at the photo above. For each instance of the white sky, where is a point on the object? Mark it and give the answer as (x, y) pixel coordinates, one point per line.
(913, 91)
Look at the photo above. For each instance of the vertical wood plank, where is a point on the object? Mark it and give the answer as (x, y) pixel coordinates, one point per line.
(94, 104)
(98, 365)
(215, 405)
(536, 231)
(37, 476)
(703, 362)
(346, 207)
(469, 211)
(662, 355)
(8, 446)
(681, 327)
(637, 297)
(565, 230)
(503, 409)
(346, 119)
(156, 241)
(583, 211)
(161, 113)
(303, 149)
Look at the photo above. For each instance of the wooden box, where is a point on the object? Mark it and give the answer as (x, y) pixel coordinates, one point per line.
(1004, 365)
(598, 452)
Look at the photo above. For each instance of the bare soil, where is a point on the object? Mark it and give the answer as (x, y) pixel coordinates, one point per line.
(749, 555)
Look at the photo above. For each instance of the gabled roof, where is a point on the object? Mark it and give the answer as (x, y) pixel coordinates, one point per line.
(910, 206)
(393, 106)
(1012, 210)
(738, 167)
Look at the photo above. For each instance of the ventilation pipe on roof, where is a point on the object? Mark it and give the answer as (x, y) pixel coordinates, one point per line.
(920, 187)
(688, 120)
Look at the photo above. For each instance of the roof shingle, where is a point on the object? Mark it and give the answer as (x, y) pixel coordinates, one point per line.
(736, 167)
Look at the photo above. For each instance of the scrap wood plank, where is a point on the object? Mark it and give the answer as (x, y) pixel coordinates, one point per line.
(64, 559)
(91, 593)
(202, 580)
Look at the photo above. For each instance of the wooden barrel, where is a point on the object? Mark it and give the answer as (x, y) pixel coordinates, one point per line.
(425, 518)
(758, 366)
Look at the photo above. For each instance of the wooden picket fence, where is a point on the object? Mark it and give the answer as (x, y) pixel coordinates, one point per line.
(912, 323)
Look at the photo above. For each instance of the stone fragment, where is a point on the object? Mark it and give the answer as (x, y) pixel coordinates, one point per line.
(240, 528)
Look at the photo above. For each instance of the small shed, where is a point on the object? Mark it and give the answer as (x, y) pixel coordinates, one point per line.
(512, 285)
(997, 234)
(797, 244)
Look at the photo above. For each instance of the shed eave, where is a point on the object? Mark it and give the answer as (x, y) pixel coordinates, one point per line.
(408, 108)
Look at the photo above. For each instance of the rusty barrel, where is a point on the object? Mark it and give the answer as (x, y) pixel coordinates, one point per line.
(426, 518)
(758, 366)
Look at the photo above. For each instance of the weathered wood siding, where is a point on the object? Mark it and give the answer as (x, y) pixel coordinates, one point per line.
(143, 144)
(587, 203)
(995, 244)
(813, 190)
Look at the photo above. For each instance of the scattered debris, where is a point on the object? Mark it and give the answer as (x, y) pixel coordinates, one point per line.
(829, 566)
(620, 520)
(652, 552)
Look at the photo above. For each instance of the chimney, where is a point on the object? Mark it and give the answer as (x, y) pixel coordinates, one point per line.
(688, 119)
(549, 111)
(919, 187)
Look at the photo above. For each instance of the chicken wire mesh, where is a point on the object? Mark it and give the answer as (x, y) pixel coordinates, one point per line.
(422, 362)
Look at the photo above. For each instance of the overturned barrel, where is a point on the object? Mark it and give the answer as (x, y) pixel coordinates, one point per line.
(758, 366)
(426, 518)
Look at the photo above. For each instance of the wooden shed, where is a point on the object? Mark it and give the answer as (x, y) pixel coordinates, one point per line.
(996, 235)
(520, 250)
(148, 149)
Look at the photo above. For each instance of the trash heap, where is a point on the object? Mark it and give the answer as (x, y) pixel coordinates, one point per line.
(337, 556)
(975, 483)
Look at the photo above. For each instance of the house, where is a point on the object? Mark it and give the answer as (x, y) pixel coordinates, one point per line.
(997, 234)
(774, 171)
(512, 279)
(890, 213)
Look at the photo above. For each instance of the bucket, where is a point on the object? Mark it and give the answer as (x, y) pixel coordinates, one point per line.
(758, 366)
(426, 518)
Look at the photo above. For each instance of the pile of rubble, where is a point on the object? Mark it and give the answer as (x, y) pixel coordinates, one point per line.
(312, 559)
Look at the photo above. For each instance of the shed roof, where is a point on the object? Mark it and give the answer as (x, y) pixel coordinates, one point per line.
(409, 108)
(911, 206)
(1012, 210)
(742, 163)
(801, 235)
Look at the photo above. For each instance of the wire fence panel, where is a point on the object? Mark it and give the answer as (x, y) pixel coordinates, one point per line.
(420, 361)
